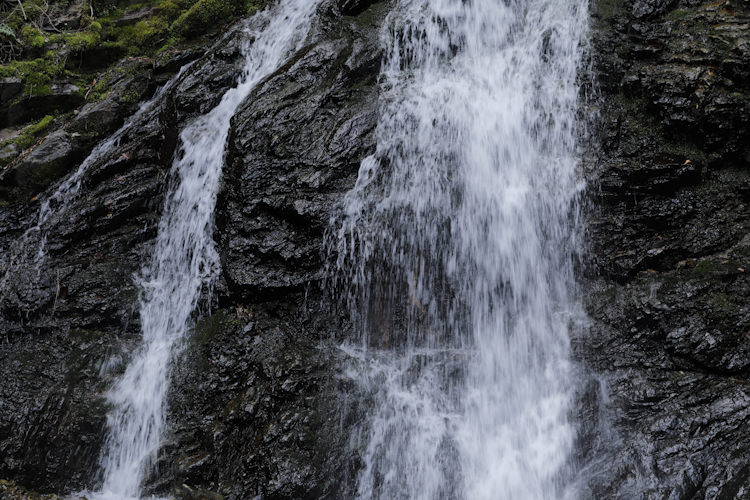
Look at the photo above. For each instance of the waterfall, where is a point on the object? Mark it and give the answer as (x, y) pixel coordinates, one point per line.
(454, 252)
(184, 261)
(30, 249)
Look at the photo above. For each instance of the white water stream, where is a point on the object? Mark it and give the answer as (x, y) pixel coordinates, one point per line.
(21, 253)
(455, 252)
(184, 260)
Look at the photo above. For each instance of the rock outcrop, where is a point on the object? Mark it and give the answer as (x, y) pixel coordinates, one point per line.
(251, 409)
(66, 316)
(670, 335)
(255, 408)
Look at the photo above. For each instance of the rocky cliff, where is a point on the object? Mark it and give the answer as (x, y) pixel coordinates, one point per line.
(256, 408)
(668, 292)
(250, 406)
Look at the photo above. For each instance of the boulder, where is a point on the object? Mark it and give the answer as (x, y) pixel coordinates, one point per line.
(49, 160)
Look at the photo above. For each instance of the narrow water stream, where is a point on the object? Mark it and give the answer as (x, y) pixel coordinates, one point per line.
(184, 260)
(455, 252)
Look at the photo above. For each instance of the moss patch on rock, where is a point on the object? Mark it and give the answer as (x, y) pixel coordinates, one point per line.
(30, 134)
(103, 35)
(205, 13)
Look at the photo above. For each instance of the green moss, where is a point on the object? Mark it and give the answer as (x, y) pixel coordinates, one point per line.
(35, 75)
(205, 14)
(171, 9)
(151, 32)
(27, 137)
(130, 97)
(26, 68)
(32, 37)
(14, 21)
(82, 41)
(100, 90)
(100, 41)
(170, 43)
(720, 303)
(30, 134)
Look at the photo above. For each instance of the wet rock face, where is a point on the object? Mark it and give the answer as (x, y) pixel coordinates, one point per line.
(668, 231)
(255, 411)
(294, 150)
(67, 319)
(61, 97)
(251, 410)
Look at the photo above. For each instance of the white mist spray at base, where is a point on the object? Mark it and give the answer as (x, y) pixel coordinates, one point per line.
(455, 252)
(184, 260)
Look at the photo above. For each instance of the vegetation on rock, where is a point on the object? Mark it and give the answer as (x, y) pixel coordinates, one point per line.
(58, 55)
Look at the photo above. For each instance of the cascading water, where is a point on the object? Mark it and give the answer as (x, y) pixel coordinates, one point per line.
(184, 259)
(30, 248)
(455, 251)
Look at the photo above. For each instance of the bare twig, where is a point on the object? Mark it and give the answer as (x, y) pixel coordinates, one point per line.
(23, 11)
(45, 13)
(9, 50)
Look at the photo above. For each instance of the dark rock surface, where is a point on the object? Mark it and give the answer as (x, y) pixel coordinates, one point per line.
(669, 337)
(10, 88)
(62, 97)
(29, 172)
(251, 410)
(64, 322)
(254, 411)
(51, 158)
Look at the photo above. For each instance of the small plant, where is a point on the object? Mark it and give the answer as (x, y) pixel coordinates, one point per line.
(9, 46)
